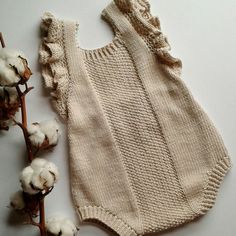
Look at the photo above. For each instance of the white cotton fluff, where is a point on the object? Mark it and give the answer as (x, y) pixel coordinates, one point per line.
(17, 200)
(25, 179)
(38, 163)
(50, 173)
(51, 129)
(8, 77)
(36, 136)
(46, 130)
(8, 54)
(9, 58)
(59, 225)
(39, 176)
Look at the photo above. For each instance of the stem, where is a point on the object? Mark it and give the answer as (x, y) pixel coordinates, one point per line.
(24, 123)
(42, 218)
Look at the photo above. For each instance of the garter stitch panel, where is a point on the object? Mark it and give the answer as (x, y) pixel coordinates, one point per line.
(144, 156)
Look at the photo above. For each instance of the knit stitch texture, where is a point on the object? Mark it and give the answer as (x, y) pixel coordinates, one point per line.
(144, 156)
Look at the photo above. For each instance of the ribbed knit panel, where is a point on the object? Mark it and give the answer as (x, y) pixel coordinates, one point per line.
(139, 138)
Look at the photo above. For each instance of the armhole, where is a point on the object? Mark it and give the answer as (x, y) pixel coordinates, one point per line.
(138, 12)
(53, 60)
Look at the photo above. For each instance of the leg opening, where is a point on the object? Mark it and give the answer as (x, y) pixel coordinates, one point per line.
(106, 219)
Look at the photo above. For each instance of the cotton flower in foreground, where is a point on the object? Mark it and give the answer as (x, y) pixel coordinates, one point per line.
(13, 67)
(59, 225)
(44, 134)
(40, 175)
(17, 200)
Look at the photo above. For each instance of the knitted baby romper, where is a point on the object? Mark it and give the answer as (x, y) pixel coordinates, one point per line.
(144, 156)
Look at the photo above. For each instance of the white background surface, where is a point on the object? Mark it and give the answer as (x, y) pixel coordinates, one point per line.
(201, 33)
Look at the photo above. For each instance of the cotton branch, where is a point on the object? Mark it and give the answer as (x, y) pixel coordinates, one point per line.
(23, 125)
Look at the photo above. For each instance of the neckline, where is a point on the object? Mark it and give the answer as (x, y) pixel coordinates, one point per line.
(103, 51)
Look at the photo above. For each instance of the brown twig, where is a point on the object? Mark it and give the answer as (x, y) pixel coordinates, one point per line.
(42, 218)
(23, 125)
(41, 225)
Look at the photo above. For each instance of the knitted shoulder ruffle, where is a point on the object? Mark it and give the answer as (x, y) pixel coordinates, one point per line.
(52, 58)
(148, 26)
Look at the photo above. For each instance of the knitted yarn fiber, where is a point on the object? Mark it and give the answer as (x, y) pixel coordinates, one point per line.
(144, 156)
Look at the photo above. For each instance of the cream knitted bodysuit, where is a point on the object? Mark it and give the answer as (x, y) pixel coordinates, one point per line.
(144, 156)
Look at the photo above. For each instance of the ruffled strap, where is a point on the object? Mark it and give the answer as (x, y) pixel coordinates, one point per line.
(53, 61)
(139, 14)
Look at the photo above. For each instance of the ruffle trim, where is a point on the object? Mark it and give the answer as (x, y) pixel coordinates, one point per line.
(53, 61)
(139, 14)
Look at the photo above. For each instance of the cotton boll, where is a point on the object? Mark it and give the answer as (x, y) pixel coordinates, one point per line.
(59, 225)
(44, 134)
(51, 129)
(25, 179)
(40, 175)
(45, 173)
(17, 200)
